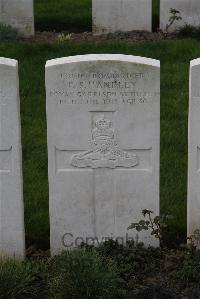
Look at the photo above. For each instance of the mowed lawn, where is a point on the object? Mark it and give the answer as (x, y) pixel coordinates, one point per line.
(174, 56)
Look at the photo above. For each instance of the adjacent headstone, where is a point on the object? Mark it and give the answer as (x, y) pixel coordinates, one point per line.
(19, 14)
(189, 12)
(11, 198)
(194, 149)
(110, 16)
(103, 119)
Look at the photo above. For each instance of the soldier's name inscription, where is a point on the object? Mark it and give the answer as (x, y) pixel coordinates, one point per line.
(101, 89)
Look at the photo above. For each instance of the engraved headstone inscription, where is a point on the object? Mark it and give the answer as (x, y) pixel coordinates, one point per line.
(109, 16)
(11, 199)
(19, 14)
(189, 13)
(194, 149)
(103, 123)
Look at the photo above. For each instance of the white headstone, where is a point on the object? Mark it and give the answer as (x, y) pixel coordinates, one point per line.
(110, 16)
(103, 116)
(194, 149)
(11, 195)
(19, 14)
(189, 11)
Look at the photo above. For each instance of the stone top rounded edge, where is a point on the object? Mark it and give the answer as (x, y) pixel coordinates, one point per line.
(8, 62)
(195, 62)
(103, 57)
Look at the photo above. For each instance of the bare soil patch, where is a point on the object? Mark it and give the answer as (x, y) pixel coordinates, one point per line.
(132, 36)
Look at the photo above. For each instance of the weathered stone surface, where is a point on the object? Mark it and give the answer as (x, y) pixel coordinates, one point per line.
(11, 195)
(189, 11)
(110, 16)
(103, 121)
(194, 149)
(19, 14)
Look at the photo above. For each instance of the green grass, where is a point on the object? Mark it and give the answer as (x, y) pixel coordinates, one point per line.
(22, 280)
(110, 271)
(174, 56)
(72, 15)
(84, 274)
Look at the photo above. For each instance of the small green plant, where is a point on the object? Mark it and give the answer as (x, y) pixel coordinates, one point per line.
(83, 274)
(175, 15)
(189, 31)
(157, 225)
(62, 37)
(134, 261)
(8, 33)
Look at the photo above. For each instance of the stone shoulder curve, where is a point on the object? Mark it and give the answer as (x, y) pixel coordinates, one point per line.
(104, 57)
(195, 62)
(8, 62)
